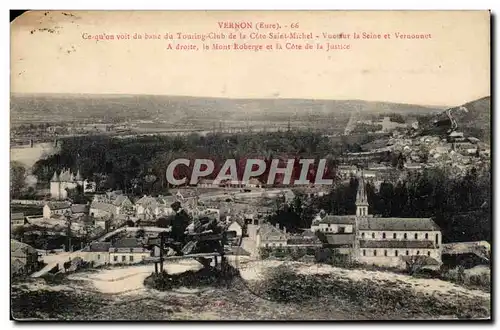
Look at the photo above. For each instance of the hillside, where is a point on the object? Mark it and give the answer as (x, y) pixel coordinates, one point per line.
(262, 290)
(60, 107)
(476, 121)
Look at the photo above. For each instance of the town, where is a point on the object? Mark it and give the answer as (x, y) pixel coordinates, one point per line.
(100, 200)
(346, 178)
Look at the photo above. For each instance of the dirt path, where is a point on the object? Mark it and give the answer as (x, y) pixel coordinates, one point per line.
(128, 279)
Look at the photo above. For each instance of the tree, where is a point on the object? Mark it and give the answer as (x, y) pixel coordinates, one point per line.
(17, 233)
(415, 263)
(17, 179)
(76, 195)
(321, 236)
(69, 233)
(87, 228)
(140, 234)
(41, 241)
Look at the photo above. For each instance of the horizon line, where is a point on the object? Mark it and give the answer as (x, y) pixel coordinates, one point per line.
(243, 98)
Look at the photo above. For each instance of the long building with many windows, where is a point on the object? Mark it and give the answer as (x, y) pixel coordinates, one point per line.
(381, 241)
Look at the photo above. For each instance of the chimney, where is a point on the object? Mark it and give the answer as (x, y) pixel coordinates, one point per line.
(277, 225)
(284, 229)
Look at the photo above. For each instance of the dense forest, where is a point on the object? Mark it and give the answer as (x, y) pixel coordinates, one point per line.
(138, 165)
(460, 206)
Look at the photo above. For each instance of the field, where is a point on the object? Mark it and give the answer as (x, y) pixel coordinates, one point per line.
(29, 156)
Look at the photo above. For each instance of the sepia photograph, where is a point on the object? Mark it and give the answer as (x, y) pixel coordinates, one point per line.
(250, 165)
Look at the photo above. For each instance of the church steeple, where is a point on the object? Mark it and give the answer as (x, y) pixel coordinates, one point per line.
(78, 177)
(54, 177)
(361, 197)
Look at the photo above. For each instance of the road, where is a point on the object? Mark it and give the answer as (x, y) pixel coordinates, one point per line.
(351, 124)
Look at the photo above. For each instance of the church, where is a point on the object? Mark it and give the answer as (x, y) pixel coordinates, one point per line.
(380, 241)
(65, 180)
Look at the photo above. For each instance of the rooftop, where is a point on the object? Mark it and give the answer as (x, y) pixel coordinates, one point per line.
(110, 208)
(127, 243)
(399, 224)
(98, 247)
(403, 244)
(340, 239)
(58, 205)
(337, 219)
(79, 208)
(17, 216)
(239, 221)
(268, 230)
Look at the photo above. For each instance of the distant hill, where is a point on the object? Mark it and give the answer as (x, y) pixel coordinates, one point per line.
(474, 121)
(477, 122)
(61, 107)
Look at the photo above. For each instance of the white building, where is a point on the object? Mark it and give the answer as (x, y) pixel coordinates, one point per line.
(16, 219)
(334, 224)
(65, 180)
(53, 208)
(237, 226)
(387, 241)
(381, 241)
(154, 206)
(270, 236)
(125, 251)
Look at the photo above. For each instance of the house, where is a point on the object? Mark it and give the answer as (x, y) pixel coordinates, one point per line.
(369, 174)
(167, 201)
(378, 167)
(52, 208)
(346, 171)
(79, 209)
(338, 230)
(254, 183)
(16, 219)
(112, 203)
(307, 239)
(122, 202)
(100, 209)
(341, 243)
(237, 225)
(124, 251)
(413, 166)
(207, 183)
(287, 194)
(128, 251)
(271, 236)
(96, 252)
(23, 258)
(334, 224)
(148, 206)
(102, 223)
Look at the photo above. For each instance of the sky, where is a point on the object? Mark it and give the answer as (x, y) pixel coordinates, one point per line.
(50, 55)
